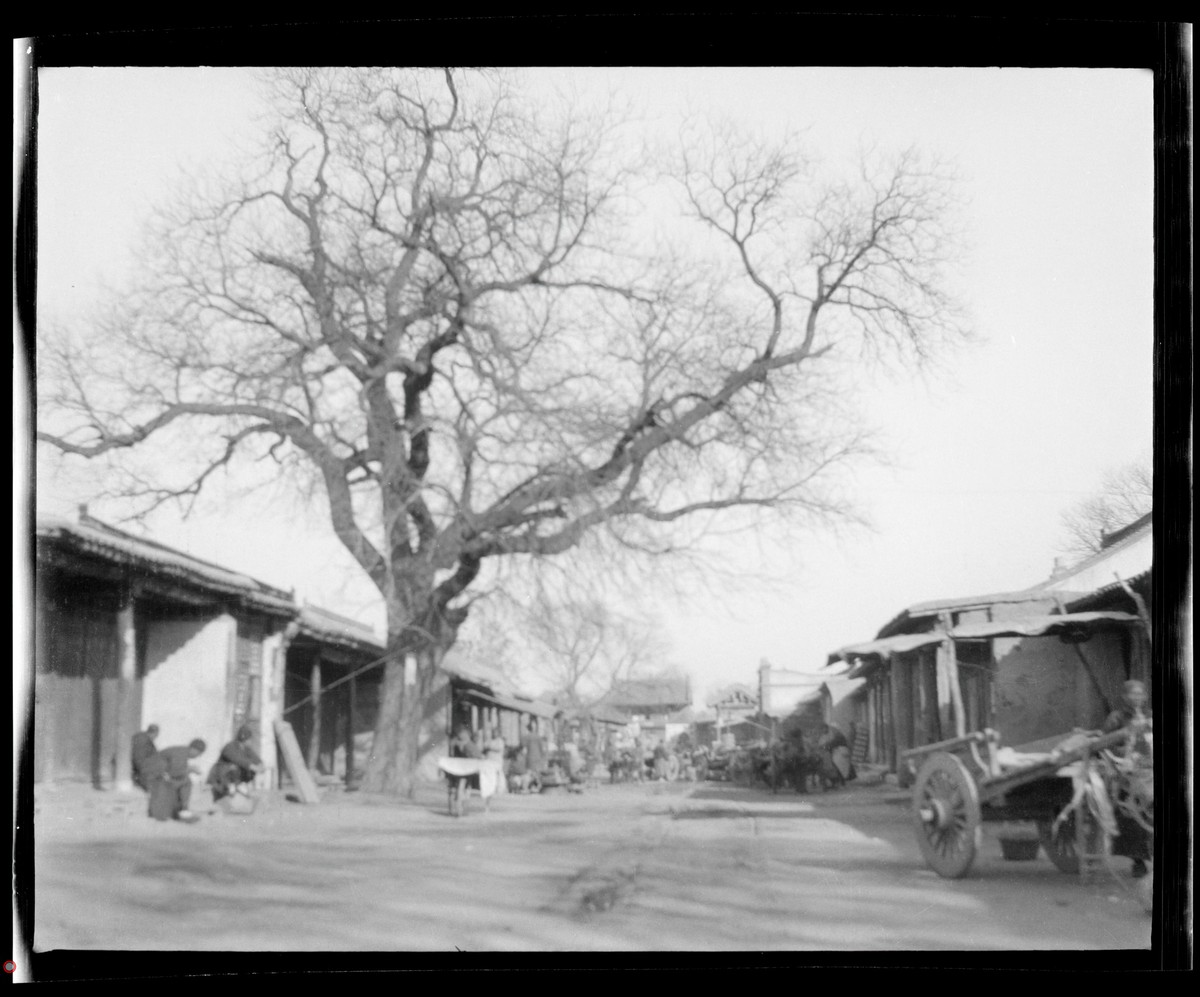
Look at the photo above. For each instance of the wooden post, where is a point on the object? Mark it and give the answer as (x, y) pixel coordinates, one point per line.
(127, 719)
(1139, 669)
(314, 738)
(303, 779)
(1087, 665)
(350, 708)
(1143, 610)
(956, 700)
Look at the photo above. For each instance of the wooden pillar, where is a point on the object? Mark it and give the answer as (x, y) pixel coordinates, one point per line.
(351, 697)
(901, 703)
(956, 700)
(879, 747)
(128, 720)
(314, 738)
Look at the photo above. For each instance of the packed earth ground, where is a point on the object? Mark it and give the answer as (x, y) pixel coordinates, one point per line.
(654, 867)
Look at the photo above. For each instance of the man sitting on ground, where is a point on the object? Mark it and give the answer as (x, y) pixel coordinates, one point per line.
(236, 768)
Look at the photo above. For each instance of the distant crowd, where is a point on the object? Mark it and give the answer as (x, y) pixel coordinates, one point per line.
(796, 760)
(531, 764)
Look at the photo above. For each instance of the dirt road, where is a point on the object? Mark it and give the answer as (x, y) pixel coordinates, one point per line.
(629, 868)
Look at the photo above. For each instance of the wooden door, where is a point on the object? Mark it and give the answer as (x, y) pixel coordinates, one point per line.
(77, 685)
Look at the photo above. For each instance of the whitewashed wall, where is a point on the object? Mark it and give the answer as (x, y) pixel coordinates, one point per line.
(185, 689)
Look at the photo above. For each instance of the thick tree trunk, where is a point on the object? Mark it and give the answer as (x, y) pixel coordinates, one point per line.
(410, 732)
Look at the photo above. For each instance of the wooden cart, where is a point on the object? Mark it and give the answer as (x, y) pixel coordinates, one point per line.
(960, 783)
(465, 775)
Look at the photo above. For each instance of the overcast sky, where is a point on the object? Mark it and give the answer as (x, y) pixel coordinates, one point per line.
(1057, 179)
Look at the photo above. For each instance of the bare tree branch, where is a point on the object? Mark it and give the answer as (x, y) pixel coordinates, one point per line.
(426, 294)
(1125, 495)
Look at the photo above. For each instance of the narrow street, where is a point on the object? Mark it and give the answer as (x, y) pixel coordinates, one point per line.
(628, 868)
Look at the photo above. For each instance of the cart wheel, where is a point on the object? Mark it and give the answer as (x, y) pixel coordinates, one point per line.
(946, 815)
(1062, 845)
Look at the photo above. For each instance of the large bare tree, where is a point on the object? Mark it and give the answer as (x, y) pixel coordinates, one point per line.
(581, 649)
(443, 303)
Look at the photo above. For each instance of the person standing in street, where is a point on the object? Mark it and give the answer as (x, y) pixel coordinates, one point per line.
(494, 750)
(535, 756)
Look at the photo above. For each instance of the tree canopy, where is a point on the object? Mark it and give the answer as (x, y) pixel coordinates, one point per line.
(441, 302)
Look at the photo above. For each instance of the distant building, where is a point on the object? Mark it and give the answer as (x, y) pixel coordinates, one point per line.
(644, 699)
(654, 706)
(783, 692)
(1126, 553)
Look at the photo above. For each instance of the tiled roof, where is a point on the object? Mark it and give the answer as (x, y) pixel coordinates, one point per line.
(477, 673)
(329, 627)
(1140, 526)
(660, 692)
(600, 714)
(1102, 595)
(936, 606)
(734, 697)
(965, 602)
(97, 539)
(1132, 548)
(90, 536)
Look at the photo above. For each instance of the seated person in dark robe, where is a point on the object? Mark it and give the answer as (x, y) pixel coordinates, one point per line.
(168, 776)
(142, 751)
(1133, 840)
(238, 765)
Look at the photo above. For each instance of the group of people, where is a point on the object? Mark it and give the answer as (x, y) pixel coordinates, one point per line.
(792, 759)
(166, 774)
(527, 766)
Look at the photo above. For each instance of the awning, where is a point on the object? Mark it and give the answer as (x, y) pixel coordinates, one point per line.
(480, 675)
(1078, 625)
(885, 647)
(603, 716)
(532, 706)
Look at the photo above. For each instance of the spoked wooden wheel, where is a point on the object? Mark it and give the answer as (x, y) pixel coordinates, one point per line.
(1062, 845)
(946, 815)
(1059, 844)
